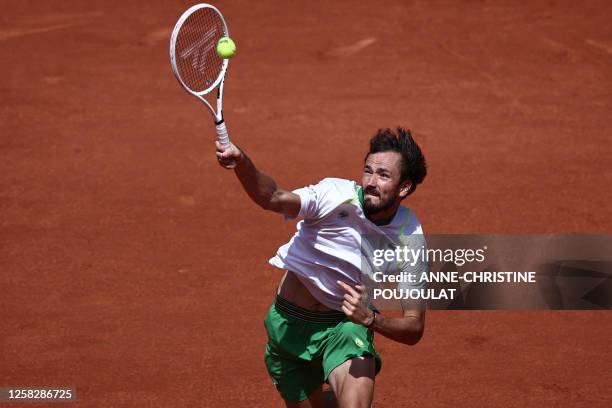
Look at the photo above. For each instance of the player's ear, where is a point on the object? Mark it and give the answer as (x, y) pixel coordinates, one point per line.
(405, 188)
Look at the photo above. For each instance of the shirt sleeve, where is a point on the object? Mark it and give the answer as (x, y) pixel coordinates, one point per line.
(416, 265)
(320, 199)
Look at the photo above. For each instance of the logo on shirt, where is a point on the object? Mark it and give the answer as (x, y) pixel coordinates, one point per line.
(359, 342)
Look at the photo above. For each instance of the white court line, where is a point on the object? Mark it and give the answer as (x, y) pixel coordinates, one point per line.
(20, 32)
(599, 45)
(61, 21)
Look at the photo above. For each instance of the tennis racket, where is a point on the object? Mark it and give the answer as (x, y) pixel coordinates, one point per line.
(195, 62)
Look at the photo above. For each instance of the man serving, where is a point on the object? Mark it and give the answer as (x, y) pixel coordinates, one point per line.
(321, 325)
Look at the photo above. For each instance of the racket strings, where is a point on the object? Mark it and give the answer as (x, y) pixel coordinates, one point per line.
(196, 56)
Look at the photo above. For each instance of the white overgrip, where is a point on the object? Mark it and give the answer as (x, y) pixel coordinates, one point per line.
(222, 135)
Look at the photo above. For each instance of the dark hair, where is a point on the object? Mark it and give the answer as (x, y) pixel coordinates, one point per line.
(414, 167)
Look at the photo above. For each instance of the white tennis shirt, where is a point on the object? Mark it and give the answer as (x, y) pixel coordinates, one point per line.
(327, 246)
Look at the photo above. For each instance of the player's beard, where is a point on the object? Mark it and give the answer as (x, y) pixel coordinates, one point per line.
(370, 208)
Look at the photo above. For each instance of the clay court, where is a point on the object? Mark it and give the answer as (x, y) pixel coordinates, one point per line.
(134, 268)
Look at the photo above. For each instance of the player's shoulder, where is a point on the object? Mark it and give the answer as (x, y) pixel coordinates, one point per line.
(321, 199)
(337, 182)
(338, 186)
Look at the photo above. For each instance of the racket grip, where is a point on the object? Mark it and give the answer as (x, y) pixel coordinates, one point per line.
(222, 135)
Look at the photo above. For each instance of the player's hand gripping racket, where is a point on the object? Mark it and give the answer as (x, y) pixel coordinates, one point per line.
(194, 59)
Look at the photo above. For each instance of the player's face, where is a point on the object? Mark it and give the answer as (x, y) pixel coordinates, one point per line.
(382, 189)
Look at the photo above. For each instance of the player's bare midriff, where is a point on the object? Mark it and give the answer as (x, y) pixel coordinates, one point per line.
(295, 292)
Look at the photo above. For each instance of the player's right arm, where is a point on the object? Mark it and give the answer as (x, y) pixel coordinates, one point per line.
(262, 188)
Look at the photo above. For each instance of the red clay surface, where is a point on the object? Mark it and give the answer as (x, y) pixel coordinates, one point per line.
(135, 269)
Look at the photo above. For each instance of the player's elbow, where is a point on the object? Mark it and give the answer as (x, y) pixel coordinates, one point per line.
(265, 205)
(284, 202)
(414, 334)
(413, 338)
(273, 202)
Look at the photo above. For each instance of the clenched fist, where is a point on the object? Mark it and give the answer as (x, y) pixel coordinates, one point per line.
(228, 158)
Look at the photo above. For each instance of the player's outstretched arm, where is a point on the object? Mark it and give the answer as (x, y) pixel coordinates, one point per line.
(262, 188)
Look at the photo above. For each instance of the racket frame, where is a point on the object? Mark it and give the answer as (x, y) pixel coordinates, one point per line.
(222, 135)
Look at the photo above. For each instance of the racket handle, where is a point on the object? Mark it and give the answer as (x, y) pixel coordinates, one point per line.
(222, 135)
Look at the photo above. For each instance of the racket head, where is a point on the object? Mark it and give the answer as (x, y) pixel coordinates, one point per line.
(193, 49)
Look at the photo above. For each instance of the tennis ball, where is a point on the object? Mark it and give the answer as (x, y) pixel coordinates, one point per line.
(226, 47)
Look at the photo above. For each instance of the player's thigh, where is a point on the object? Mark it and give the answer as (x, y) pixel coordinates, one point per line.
(351, 360)
(353, 382)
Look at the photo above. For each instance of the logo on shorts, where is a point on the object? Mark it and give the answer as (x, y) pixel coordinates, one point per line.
(358, 342)
(343, 214)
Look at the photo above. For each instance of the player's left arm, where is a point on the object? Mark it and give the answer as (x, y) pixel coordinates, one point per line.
(407, 329)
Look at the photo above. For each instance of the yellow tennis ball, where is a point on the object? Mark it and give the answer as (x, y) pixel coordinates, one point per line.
(226, 47)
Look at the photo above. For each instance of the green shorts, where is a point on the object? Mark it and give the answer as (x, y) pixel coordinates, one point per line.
(305, 346)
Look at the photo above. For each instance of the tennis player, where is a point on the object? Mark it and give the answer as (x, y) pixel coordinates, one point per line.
(321, 325)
